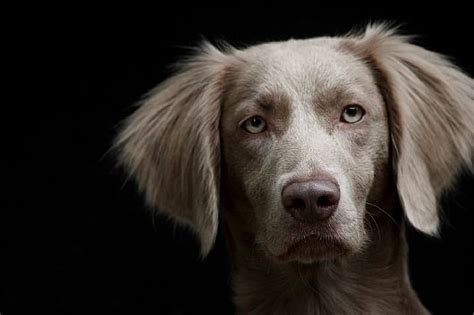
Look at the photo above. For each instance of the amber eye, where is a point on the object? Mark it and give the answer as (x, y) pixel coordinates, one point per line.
(255, 124)
(352, 114)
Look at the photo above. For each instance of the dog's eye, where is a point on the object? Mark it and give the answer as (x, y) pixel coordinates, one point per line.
(352, 114)
(255, 124)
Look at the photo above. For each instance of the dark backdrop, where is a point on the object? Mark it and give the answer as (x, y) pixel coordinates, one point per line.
(75, 239)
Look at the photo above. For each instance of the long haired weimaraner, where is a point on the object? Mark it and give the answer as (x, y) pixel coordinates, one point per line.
(312, 154)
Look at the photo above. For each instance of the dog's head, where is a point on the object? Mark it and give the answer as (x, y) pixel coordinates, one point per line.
(297, 138)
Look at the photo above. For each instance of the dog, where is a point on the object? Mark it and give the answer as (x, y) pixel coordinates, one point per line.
(313, 154)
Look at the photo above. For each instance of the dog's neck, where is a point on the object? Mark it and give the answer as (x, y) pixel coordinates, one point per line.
(372, 282)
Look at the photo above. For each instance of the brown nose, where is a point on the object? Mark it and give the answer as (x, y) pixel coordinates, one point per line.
(311, 201)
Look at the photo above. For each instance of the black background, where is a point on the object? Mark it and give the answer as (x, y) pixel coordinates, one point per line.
(75, 239)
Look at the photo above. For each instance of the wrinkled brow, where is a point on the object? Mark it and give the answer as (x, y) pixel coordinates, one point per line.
(266, 103)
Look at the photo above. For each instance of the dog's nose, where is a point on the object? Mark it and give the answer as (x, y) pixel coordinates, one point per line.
(310, 201)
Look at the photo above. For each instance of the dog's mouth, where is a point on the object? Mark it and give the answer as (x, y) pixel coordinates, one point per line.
(312, 246)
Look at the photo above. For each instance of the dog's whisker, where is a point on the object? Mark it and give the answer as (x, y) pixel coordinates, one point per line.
(376, 225)
(384, 212)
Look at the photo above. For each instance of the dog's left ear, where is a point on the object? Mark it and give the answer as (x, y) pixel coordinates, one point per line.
(431, 108)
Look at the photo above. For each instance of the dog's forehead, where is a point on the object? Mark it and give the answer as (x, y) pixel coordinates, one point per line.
(305, 65)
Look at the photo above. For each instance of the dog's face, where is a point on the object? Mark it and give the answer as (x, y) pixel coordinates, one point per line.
(304, 138)
(292, 140)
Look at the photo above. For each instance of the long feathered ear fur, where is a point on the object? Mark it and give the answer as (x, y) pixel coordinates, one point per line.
(431, 109)
(170, 145)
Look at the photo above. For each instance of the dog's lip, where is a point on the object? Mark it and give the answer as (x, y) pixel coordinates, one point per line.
(313, 242)
(312, 248)
(300, 231)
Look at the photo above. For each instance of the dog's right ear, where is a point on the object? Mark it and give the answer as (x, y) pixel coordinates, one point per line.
(170, 145)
